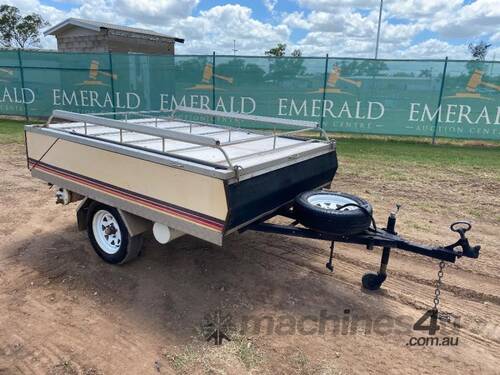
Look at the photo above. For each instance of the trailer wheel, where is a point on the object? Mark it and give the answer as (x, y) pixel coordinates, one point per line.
(109, 235)
(372, 280)
(322, 210)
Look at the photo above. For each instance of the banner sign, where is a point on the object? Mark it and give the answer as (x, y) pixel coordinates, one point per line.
(455, 99)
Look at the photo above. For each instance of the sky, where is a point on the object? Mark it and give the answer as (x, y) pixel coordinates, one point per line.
(420, 29)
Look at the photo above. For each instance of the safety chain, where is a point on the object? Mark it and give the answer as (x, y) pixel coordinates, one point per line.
(437, 292)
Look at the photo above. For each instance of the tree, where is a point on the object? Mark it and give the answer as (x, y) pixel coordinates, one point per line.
(190, 70)
(280, 49)
(425, 73)
(371, 67)
(479, 51)
(349, 69)
(243, 72)
(281, 69)
(277, 51)
(18, 31)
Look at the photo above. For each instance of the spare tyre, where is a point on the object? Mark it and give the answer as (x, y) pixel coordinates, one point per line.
(332, 212)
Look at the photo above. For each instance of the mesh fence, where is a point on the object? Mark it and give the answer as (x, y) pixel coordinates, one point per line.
(455, 99)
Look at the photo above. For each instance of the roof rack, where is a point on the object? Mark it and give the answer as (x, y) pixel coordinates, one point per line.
(154, 124)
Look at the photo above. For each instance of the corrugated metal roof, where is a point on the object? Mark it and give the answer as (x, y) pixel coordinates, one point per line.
(97, 25)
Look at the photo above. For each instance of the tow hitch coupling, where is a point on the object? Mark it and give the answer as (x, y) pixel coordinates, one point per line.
(461, 227)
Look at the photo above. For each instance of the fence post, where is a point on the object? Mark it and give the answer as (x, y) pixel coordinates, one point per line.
(213, 85)
(324, 93)
(22, 84)
(113, 99)
(439, 100)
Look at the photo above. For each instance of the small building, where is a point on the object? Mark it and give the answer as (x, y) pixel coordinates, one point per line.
(77, 35)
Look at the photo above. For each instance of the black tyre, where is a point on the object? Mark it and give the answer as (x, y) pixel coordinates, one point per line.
(372, 280)
(319, 210)
(109, 235)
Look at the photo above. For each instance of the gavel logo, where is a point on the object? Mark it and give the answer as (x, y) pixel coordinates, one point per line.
(332, 80)
(207, 78)
(8, 72)
(94, 73)
(334, 77)
(475, 80)
(208, 73)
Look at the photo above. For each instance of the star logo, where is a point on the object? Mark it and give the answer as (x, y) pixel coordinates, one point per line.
(215, 326)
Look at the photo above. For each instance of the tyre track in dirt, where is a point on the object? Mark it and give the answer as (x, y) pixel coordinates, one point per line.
(60, 320)
(413, 293)
(350, 266)
(407, 298)
(51, 307)
(314, 253)
(399, 302)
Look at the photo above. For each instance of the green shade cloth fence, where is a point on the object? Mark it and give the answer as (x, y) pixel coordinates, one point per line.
(442, 98)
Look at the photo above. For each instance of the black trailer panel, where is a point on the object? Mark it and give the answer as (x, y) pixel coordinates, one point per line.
(252, 198)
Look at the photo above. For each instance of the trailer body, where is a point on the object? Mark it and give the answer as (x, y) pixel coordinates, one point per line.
(137, 171)
(200, 178)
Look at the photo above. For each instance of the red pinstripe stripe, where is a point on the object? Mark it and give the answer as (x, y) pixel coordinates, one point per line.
(169, 210)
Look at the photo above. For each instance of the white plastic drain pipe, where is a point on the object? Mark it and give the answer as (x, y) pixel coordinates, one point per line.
(164, 234)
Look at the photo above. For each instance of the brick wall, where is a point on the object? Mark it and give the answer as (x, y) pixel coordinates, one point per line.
(115, 41)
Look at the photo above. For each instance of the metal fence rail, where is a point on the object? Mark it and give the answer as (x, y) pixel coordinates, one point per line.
(432, 98)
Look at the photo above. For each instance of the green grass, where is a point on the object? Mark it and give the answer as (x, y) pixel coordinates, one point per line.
(441, 155)
(11, 131)
(371, 150)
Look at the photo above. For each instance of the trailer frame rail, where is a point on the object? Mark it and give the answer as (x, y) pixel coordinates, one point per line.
(386, 238)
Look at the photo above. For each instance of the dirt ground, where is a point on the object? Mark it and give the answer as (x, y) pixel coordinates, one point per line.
(64, 311)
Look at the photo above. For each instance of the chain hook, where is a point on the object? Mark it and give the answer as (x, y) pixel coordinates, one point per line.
(439, 283)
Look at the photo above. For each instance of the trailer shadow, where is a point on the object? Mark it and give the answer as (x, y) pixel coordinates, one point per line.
(173, 288)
